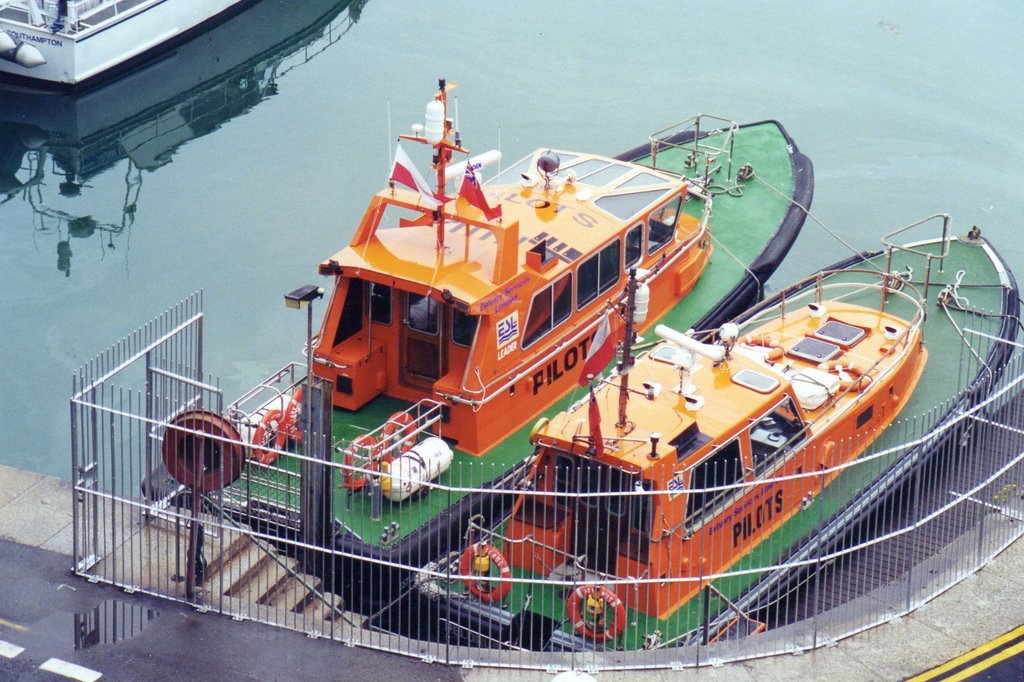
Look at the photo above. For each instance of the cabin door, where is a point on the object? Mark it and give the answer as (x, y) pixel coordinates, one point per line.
(423, 353)
(602, 520)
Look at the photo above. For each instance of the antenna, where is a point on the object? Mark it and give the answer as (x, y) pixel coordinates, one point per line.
(390, 151)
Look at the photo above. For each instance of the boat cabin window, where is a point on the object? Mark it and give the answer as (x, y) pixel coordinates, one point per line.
(380, 303)
(774, 435)
(599, 273)
(629, 205)
(422, 314)
(351, 320)
(634, 245)
(722, 468)
(564, 475)
(662, 224)
(550, 307)
(463, 328)
(640, 514)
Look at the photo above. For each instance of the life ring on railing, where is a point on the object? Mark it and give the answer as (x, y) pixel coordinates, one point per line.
(773, 351)
(399, 426)
(593, 602)
(475, 568)
(291, 428)
(267, 437)
(352, 478)
(858, 380)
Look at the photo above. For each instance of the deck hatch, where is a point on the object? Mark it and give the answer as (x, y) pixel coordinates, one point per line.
(840, 333)
(814, 350)
(755, 381)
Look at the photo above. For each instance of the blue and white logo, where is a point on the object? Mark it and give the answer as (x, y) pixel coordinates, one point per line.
(508, 329)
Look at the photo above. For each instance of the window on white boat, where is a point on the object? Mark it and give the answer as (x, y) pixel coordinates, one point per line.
(380, 303)
(463, 328)
(351, 319)
(722, 469)
(598, 274)
(630, 204)
(774, 435)
(634, 245)
(422, 314)
(549, 308)
(662, 224)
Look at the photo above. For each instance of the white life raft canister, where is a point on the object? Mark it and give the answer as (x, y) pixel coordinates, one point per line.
(408, 472)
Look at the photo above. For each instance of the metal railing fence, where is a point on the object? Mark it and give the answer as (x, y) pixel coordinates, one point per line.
(493, 566)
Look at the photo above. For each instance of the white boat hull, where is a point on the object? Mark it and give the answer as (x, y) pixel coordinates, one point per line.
(72, 58)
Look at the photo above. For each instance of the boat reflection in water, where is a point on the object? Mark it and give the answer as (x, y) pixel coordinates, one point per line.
(146, 115)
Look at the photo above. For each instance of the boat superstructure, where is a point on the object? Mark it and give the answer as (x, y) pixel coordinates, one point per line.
(67, 43)
(493, 318)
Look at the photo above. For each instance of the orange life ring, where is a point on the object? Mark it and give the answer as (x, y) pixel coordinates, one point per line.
(400, 425)
(774, 351)
(475, 566)
(291, 429)
(353, 479)
(268, 435)
(858, 381)
(601, 597)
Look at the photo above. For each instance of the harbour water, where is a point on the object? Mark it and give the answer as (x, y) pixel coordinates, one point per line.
(241, 161)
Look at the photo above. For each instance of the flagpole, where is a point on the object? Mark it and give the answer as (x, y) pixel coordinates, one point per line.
(627, 353)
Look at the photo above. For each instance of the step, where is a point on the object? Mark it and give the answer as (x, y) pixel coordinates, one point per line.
(294, 593)
(258, 584)
(243, 566)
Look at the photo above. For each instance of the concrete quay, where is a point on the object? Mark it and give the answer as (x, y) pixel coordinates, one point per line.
(39, 597)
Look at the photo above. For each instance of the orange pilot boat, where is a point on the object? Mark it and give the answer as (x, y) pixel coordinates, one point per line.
(486, 303)
(725, 431)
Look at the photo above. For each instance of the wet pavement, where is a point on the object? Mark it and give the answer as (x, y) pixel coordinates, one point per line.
(51, 614)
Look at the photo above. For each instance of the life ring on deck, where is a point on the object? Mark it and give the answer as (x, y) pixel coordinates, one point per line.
(773, 351)
(267, 436)
(858, 380)
(352, 478)
(475, 568)
(593, 602)
(399, 426)
(291, 429)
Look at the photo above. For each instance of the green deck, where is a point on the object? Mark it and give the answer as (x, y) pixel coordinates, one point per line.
(740, 228)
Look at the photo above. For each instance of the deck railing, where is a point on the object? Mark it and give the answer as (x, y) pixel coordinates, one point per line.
(931, 501)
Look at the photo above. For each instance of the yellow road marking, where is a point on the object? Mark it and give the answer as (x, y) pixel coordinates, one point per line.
(988, 662)
(12, 626)
(973, 653)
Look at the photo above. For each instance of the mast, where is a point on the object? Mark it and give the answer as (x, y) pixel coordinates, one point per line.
(437, 132)
(627, 353)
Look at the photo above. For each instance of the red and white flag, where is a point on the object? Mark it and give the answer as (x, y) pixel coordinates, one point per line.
(404, 171)
(594, 415)
(602, 350)
(472, 192)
